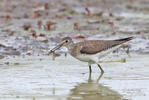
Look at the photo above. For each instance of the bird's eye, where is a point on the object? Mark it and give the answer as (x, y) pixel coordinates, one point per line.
(66, 41)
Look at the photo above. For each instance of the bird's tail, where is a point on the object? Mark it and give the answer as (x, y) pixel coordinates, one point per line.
(125, 39)
(121, 41)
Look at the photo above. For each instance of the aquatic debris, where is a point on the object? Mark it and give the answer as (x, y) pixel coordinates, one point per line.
(36, 14)
(46, 5)
(7, 50)
(42, 38)
(49, 24)
(28, 53)
(11, 52)
(39, 24)
(85, 27)
(94, 22)
(123, 60)
(39, 9)
(7, 17)
(60, 16)
(111, 15)
(118, 18)
(33, 32)
(76, 26)
(7, 63)
(79, 37)
(89, 12)
(127, 47)
(27, 26)
(53, 54)
(37, 4)
(111, 23)
(10, 32)
(42, 35)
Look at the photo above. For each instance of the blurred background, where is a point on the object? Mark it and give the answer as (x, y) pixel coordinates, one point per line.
(32, 26)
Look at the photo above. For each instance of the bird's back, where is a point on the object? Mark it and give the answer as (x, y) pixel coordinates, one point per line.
(95, 46)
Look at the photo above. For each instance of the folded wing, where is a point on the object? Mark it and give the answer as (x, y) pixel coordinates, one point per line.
(96, 46)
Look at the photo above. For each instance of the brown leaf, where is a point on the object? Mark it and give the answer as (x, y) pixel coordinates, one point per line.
(34, 33)
(111, 23)
(79, 37)
(42, 35)
(89, 12)
(76, 26)
(46, 5)
(39, 23)
(48, 24)
(27, 26)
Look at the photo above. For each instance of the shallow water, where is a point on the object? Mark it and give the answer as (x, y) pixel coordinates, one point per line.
(40, 78)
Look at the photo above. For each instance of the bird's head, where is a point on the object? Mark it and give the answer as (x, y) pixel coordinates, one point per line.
(66, 41)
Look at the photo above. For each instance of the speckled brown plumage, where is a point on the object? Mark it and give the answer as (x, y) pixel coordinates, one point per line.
(95, 46)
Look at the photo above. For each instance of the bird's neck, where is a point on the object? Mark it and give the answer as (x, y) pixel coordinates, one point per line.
(70, 46)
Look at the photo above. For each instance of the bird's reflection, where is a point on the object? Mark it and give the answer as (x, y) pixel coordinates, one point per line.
(90, 78)
(92, 90)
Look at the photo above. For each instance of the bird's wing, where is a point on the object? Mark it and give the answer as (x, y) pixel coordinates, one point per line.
(95, 46)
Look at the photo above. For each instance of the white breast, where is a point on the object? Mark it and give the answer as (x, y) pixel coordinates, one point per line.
(87, 58)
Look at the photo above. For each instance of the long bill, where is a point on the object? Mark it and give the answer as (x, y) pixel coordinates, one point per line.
(57, 47)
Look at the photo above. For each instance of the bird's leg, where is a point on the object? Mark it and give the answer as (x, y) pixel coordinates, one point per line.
(90, 68)
(123, 60)
(102, 71)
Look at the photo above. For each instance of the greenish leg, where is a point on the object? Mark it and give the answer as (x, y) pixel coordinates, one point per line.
(90, 69)
(102, 71)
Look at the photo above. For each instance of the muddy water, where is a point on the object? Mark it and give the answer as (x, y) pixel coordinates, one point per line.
(40, 78)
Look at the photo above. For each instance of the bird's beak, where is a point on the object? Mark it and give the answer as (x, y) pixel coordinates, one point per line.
(57, 47)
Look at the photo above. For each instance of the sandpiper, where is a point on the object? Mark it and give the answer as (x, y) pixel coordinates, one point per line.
(91, 50)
